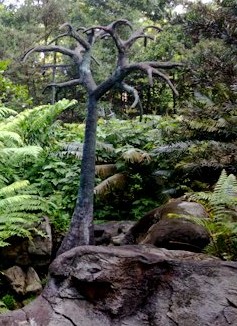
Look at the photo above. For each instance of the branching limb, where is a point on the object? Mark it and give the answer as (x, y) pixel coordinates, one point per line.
(166, 79)
(124, 71)
(110, 30)
(68, 83)
(132, 90)
(150, 70)
(140, 33)
(75, 35)
(57, 38)
(163, 65)
(49, 48)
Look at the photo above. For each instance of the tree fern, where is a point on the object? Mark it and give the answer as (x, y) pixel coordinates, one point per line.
(76, 149)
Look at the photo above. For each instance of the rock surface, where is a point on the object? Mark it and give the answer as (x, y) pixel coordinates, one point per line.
(111, 232)
(23, 282)
(133, 286)
(139, 232)
(24, 252)
(177, 234)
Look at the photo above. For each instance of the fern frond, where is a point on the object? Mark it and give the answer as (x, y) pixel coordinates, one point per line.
(10, 139)
(20, 203)
(105, 170)
(13, 188)
(109, 148)
(135, 155)
(116, 181)
(14, 154)
(5, 112)
(179, 146)
(74, 148)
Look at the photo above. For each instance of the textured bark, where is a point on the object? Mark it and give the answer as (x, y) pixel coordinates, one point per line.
(135, 286)
(81, 228)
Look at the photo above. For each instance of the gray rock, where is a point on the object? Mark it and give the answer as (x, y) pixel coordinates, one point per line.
(24, 252)
(111, 232)
(134, 285)
(140, 230)
(177, 234)
(16, 278)
(32, 282)
(40, 248)
(21, 282)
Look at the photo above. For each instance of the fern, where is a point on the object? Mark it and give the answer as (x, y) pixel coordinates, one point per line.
(19, 153)
(35, 124)
(136, 155)
(105, 170)
(9, 139)
(6, 112)
(19, 210)
(76, 149)
(116, 181)
(222, 224)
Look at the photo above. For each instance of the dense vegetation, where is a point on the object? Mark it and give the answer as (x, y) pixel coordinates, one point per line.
(181, 145)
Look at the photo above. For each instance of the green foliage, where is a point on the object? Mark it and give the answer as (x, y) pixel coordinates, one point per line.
(20, 207)
(9, 301)
(37, 125)
(3, 307)
(222, 224)
(21, 204)
(12, 95)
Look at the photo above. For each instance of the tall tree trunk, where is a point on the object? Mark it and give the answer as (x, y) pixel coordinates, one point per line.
(81, 228)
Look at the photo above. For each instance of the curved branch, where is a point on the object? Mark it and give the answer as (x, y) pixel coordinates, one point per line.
(164, 65)
(74, 34)
(57, 37)
(112, 26)
(140, 33)
(68, 83)
(153, 27)
(110, 30)
(167, 80)
(49, 48)
(124, 71)
(132, 90)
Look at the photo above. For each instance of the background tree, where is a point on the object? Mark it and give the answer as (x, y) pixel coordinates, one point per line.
(81, 228)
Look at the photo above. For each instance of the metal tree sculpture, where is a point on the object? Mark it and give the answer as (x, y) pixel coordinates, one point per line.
(81, 227)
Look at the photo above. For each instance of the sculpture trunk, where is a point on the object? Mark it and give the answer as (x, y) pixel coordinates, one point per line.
(81, 228)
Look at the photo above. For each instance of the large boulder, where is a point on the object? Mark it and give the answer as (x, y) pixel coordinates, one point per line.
(177, 234)
(135, 286)
(144, 228)
(23, 282)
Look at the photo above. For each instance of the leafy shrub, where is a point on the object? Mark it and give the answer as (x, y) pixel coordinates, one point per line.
(9, 301)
